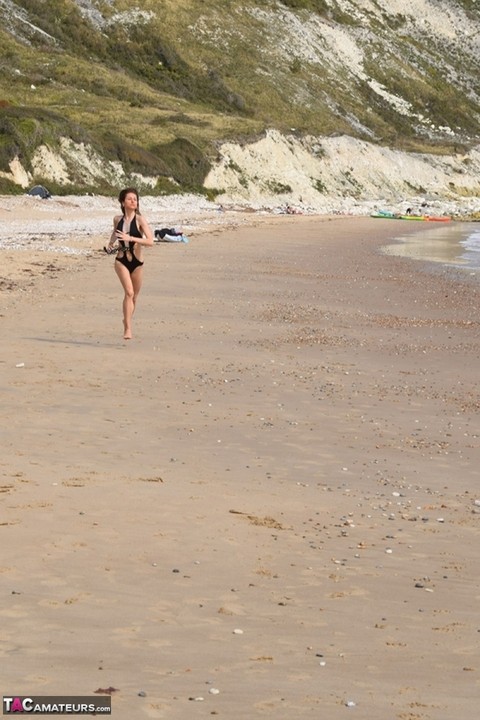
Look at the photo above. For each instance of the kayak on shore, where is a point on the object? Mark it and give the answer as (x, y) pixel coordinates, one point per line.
(388, 215)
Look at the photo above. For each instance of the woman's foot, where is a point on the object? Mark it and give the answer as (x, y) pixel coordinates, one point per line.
(127, 333)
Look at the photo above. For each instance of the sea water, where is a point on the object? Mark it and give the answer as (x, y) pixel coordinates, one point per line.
(455, 245)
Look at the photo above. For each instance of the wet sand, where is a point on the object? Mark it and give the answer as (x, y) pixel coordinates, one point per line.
(270, 491)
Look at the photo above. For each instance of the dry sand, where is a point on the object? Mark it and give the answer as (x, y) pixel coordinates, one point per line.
(289, 448)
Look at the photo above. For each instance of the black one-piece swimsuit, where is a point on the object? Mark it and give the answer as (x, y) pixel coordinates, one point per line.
(127, 256)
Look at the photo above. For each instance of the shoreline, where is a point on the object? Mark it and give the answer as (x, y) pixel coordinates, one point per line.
(454, 247)
(288, 448)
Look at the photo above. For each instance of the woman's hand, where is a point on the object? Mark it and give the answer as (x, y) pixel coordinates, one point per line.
(120, 235)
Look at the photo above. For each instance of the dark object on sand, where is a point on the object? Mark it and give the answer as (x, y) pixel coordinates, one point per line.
(172, 232)
(40, 191)
(170, 235)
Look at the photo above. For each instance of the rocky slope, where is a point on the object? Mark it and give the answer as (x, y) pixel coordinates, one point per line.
(306, 101)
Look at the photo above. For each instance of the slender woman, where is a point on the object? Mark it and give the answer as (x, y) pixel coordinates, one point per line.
(130, 234)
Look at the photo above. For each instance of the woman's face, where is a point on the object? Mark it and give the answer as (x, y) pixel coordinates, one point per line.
(131, 201)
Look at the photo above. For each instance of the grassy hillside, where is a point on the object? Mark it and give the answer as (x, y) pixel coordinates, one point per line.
(156, 85)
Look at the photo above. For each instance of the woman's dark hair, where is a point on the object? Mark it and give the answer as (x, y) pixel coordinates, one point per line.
(123, 194)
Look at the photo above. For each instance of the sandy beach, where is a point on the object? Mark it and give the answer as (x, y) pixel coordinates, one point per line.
(265, 505)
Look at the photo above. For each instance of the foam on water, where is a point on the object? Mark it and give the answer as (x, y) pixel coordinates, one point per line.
(471, 245)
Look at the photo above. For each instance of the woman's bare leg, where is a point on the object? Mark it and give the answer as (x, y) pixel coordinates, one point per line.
(137, 280)
(128, 299)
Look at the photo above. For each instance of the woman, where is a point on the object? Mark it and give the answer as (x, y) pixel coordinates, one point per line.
(131, 231)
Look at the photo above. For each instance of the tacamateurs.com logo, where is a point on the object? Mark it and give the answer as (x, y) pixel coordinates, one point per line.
(55, 705)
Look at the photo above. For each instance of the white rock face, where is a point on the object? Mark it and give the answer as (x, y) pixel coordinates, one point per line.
(338, 173)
